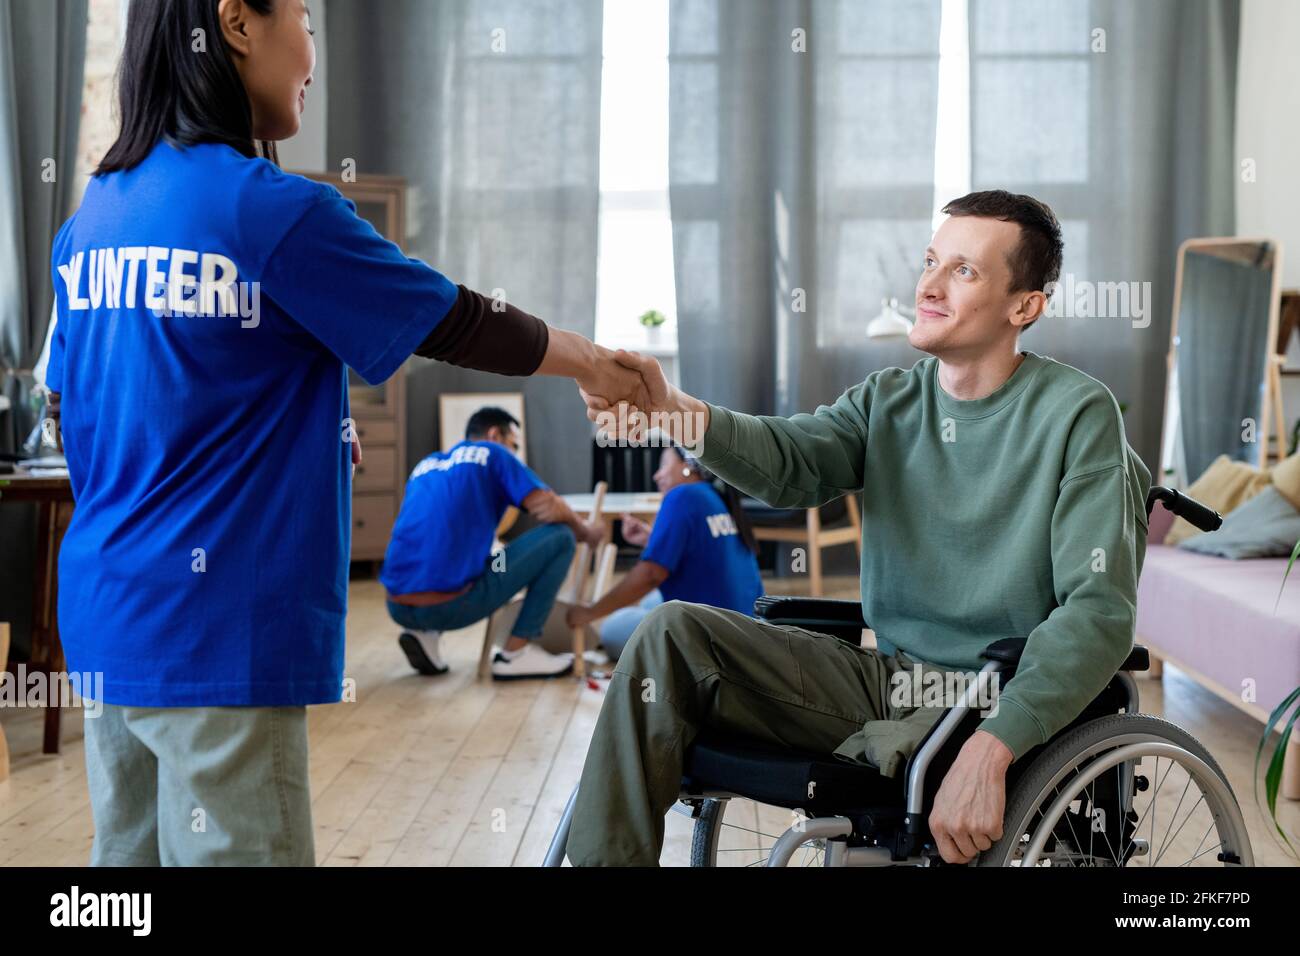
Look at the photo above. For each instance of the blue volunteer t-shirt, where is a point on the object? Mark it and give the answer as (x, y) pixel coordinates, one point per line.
(454, 502)
(208, 306)
(696, 540)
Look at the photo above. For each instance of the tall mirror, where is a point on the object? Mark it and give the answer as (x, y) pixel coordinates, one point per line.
(1224, 395)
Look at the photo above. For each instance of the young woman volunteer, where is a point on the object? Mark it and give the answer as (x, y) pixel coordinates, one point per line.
(700, 550)
(208, 307)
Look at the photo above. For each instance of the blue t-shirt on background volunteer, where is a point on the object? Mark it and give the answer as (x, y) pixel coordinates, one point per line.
(454, 502)
(206, 561)
(696, 540)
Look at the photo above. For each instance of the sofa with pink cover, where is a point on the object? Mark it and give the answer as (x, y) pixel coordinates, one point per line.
(1214, 619)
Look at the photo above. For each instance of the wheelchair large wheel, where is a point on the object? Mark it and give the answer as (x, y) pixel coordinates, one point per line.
(716, 842)
(1124, 790)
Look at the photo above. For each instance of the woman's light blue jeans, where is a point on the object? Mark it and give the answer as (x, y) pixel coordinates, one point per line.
(616, 630)
(199, 786)
(537, 560)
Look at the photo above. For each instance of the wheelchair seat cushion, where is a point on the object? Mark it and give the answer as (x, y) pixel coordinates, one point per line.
(814, 783)
(780, 608)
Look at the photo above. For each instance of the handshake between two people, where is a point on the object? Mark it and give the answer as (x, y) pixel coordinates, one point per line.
(628, 397)
(626, 393)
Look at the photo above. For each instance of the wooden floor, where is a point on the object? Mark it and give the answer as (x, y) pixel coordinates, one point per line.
(436, 771)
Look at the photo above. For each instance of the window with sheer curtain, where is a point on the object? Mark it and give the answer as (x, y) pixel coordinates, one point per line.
(635, 258)
(876, 102)
(99, 121)
(988, 56)
(1018, 47)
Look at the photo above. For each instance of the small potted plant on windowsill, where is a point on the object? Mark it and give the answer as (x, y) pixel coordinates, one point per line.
(653, 320)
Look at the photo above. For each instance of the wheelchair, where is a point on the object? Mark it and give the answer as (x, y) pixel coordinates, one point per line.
(1090, 796)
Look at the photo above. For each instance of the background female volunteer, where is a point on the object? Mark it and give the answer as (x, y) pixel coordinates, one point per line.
(208, 308)
(701, 550)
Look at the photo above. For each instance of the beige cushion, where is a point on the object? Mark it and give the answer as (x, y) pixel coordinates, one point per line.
(1286, 479)
(1225, 485)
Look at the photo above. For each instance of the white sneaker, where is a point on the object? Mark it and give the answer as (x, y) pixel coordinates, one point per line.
(530, 661)
(424, 650)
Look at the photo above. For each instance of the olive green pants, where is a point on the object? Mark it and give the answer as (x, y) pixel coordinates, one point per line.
(690, 667)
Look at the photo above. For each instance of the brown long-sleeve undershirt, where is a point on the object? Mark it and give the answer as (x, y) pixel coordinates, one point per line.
(504, 340)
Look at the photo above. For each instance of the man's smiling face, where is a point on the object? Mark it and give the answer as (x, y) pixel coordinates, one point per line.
(964, 301)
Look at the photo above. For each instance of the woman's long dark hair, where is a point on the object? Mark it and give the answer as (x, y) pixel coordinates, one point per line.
(167, 89)
(730, 497)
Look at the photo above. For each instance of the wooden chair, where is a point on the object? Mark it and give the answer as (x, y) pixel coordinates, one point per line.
(581, 586)
(586, 588)
(813, 537)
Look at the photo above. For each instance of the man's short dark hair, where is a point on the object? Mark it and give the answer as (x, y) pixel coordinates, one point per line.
(485, 419)
(1036, 261)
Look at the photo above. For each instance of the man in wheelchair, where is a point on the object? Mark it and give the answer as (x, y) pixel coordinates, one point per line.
(1000, 498)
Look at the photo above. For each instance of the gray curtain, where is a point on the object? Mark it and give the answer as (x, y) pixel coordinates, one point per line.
(1133, 149)
(42, 53)
(801, 185)
(814, 171)
(490, 109)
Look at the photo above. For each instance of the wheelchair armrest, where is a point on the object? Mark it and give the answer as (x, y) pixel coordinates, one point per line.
(1008, 650)
(839, 619)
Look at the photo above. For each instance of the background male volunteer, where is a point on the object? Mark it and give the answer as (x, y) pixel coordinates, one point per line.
(439, 569)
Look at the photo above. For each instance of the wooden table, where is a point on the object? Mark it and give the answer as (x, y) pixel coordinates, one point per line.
(644, 505)
(53, 498)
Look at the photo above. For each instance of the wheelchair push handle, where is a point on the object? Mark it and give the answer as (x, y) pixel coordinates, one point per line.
(1203, 517)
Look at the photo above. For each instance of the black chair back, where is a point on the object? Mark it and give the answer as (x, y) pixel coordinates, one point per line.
(628, 468)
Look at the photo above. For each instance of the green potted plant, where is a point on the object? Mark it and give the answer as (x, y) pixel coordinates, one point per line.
(653, 321)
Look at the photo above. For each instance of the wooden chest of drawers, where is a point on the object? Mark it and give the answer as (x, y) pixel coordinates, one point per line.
(379, 415)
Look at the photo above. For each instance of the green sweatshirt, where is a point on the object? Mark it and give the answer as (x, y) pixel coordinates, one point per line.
(1021, 514)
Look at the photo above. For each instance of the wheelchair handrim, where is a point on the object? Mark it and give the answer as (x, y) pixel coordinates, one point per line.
(710, 825)
(1222, 804)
